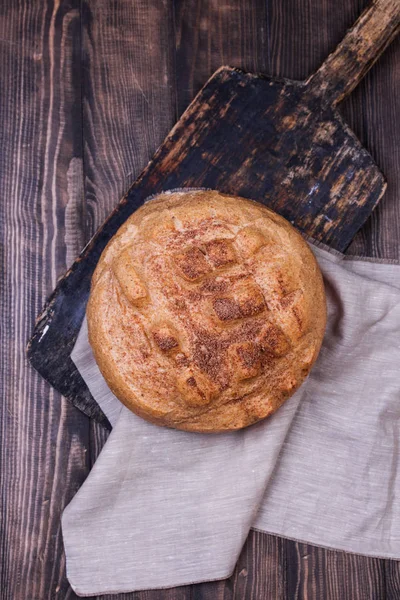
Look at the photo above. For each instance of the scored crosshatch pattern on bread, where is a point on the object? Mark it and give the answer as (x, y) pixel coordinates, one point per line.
(206, 311)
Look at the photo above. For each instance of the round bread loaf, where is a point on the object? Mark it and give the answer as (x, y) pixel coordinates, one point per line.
(206, 311)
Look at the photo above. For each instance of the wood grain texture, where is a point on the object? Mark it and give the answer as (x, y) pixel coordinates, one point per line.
(392, 579)
(43, 438)
(128, 93)
(209, 34)
(44, 177)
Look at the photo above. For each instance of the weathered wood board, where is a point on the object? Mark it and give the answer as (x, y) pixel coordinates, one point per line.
(276, 141)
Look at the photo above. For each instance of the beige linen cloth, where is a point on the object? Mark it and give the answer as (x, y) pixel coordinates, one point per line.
(164, 508)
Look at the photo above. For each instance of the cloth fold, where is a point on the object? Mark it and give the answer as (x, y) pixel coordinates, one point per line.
(163, 508)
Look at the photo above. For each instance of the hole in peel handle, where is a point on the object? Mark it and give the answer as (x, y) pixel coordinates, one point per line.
(363, 44)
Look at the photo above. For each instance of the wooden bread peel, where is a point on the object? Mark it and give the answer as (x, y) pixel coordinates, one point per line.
(276, 141)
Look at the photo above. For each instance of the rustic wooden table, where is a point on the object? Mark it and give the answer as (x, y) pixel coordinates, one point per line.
(88, 91)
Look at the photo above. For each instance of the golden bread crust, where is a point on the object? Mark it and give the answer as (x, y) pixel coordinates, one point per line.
(206, 311)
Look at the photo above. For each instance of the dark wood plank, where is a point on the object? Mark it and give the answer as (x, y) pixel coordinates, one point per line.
(262, 569)
(315, 573)
(43, 438)
(128, 108)
(210, 34)
(128, 95)
(392, 578)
